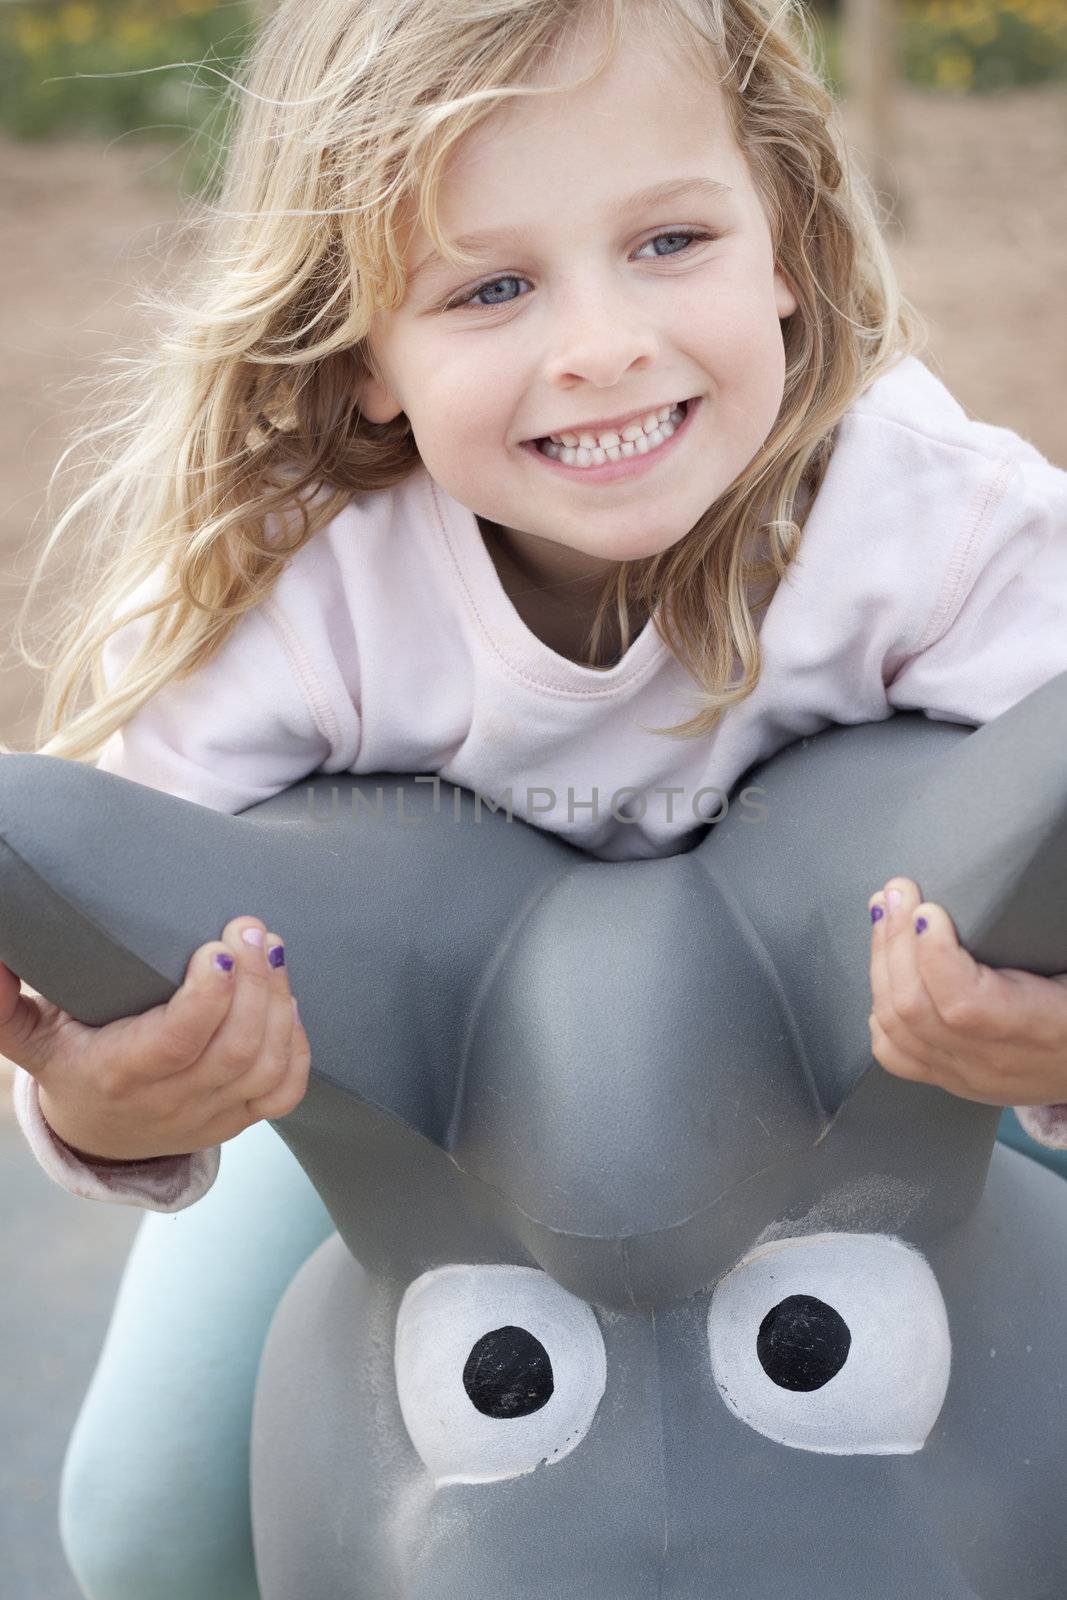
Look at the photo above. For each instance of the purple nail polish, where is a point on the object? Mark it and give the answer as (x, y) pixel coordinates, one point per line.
(877, 913)
(921, 924)
(223, 961)
(276, 955)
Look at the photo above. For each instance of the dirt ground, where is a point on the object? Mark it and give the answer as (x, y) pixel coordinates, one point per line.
(981, 253)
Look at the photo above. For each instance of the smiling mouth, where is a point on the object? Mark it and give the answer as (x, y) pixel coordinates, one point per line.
(605, 463)
(621, 428)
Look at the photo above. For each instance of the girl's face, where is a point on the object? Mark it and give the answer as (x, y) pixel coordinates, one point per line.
(589, 303)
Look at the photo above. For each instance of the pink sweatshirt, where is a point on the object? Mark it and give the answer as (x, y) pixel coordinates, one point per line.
(932, 576)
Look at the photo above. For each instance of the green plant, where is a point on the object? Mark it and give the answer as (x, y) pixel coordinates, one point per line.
(108, 67)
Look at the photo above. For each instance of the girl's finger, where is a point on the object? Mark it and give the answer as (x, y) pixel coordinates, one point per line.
(911, 1003)
(884, 996)
(893, 1056)
(879, 972)
(950, 975)
(290, 1090)
(991, 1006)
(236, 1043)
(272, 1063)
(19, 1017)
(167, 1040)
(916, 1061)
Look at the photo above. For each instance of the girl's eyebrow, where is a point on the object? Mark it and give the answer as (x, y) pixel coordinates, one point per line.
(652, 194)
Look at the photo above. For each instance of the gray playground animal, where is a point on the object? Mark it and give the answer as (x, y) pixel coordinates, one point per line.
(648, 1284)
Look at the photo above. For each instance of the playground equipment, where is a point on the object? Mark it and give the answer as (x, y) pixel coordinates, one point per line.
(648, 1282)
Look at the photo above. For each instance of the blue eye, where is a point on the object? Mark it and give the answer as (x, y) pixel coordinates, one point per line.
(688, 236)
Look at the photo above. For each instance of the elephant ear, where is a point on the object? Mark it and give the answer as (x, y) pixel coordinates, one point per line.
(391, 898)
(94, 874)
(987, 834)
(979, 820)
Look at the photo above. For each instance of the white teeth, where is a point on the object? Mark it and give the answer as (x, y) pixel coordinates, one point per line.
(609, 438)
(585, 450)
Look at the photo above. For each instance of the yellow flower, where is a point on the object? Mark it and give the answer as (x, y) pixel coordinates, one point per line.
(958, 14)
(953, 69)
(134, 30)
(1051, 15)
(36, 35)
(77, 22)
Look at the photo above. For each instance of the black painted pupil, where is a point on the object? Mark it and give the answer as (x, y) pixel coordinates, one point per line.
(802, 1343)
(508, 1374)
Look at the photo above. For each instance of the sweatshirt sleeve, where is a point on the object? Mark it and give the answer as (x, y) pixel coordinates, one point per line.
(998, 627)
(273, 705)
(250, 722)
(999, 630)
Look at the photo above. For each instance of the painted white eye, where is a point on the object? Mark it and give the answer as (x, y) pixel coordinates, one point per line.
(836, 1343)
(498, 1371)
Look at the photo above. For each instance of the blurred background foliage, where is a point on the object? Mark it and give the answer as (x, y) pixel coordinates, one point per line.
(111, 67)
(152, 66)
(983, 45)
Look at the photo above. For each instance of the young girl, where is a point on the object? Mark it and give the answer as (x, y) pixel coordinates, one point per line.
(638, 486)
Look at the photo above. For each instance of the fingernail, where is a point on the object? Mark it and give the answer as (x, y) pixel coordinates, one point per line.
(921, 924)
(893, 897)
(276, 955)
(223, 961)
(877, 913)
(252, 935)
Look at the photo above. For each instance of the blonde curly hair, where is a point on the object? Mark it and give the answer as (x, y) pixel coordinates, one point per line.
(236, 438)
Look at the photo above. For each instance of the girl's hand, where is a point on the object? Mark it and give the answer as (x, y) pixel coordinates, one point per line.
(991, 1034)
(226, 1050)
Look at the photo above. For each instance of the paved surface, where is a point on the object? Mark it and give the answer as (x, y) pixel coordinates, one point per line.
(60, 1261)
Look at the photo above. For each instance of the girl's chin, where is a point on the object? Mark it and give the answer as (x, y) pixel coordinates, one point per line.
(639, 548)
(587, 558)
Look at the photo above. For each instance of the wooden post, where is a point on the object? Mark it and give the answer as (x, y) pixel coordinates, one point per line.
(870, 69)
